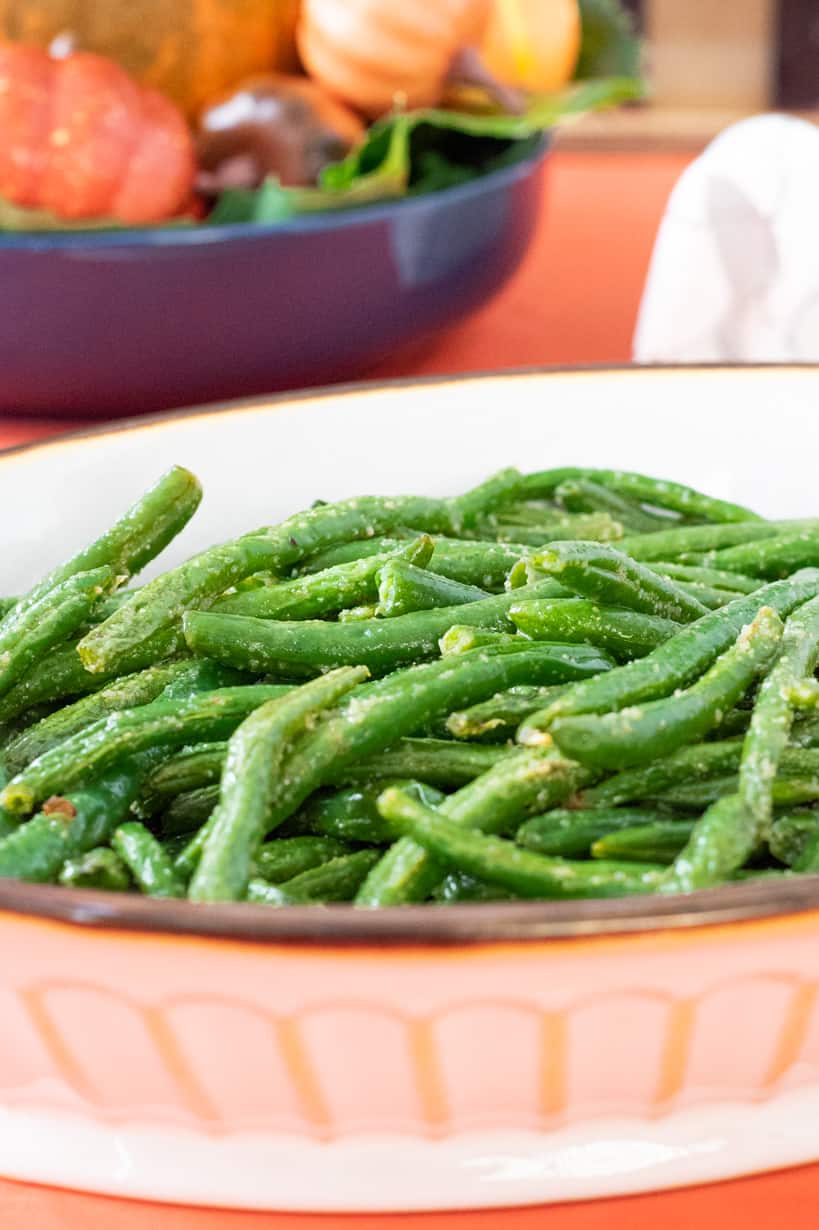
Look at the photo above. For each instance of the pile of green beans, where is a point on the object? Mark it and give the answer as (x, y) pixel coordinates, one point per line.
(567, 684)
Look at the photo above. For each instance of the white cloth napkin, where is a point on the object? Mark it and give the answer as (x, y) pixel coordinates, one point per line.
(735, 270)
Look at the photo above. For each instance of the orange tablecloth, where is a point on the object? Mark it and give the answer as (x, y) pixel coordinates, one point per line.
(574, 301)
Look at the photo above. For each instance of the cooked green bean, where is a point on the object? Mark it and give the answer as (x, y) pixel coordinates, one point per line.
(68, 826)
(350, 815)
(697, 796)
(127, 692)
(160, 603)
(791, 834)
(637, 734)
(47, 622)
(499, 717)
(485, 564)
(326, 592)
(147, 861)
(375, 714)
(655, 492)
(336, 880)
(188, 810)
(501, 862)
(137, 538)
(493, 803)
(381, 644)
(772, 558)
(255, 756)
(403, 587)
(679, 661)
(460, 638)
(456, 888)
(717, 578)
(623, 633)
(189, 769)
(99, 868)
(658, 842)
(725, 836)
(581, 495)
(591, 527)
(202, 700)
(437, 762)
(277, 861)
(61, 675)
(109, 741)
(564, 833)
(687, 764)
(606, 575)
(687, 541)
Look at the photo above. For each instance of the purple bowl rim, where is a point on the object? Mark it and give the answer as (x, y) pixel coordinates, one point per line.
(207, 236)
(414, 926)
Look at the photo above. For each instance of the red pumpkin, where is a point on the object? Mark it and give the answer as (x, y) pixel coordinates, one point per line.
(80, 139)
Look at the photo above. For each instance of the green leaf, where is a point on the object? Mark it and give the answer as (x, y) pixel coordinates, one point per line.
(424, 151)
(610, 46)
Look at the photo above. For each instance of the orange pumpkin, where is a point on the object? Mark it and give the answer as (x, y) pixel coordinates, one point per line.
(190, 50)
(82, 140)
(533, 44)
(375, 54)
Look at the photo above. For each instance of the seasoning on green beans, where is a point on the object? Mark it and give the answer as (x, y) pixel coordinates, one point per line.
(549, 716)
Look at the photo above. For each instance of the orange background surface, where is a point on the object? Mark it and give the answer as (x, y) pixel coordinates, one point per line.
(574, 301)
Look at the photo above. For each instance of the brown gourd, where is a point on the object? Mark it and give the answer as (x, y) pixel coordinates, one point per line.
(189, 50)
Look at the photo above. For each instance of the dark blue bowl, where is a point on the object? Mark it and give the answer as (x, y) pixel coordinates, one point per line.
(132, 321)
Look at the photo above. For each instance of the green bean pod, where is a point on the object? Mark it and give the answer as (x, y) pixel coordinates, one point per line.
(112, 740)
(99, 868)
(255, 758)
(61, 674)
(658, 842)
(717, 578)
(325, 592)
(129, 692)
(625, 634)
(133, 541)
(499, 717)
(566, 833)
(685, 543)
(349, 815)
(48, 622)
(591, 527)
(730, 829)
(457, 888)
(638, 734)
(147, 861)
(69, 826)
(677, 662)
(494, 803)
(771, 558)
(286, 857)
(501, 862)
(606, 575)
(655, 492)
(336, 880)
(581, 495)
(791, 835)
(381, 644)
(403, 587)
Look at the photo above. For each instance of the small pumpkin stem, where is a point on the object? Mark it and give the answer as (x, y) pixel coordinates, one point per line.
(467, 68)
